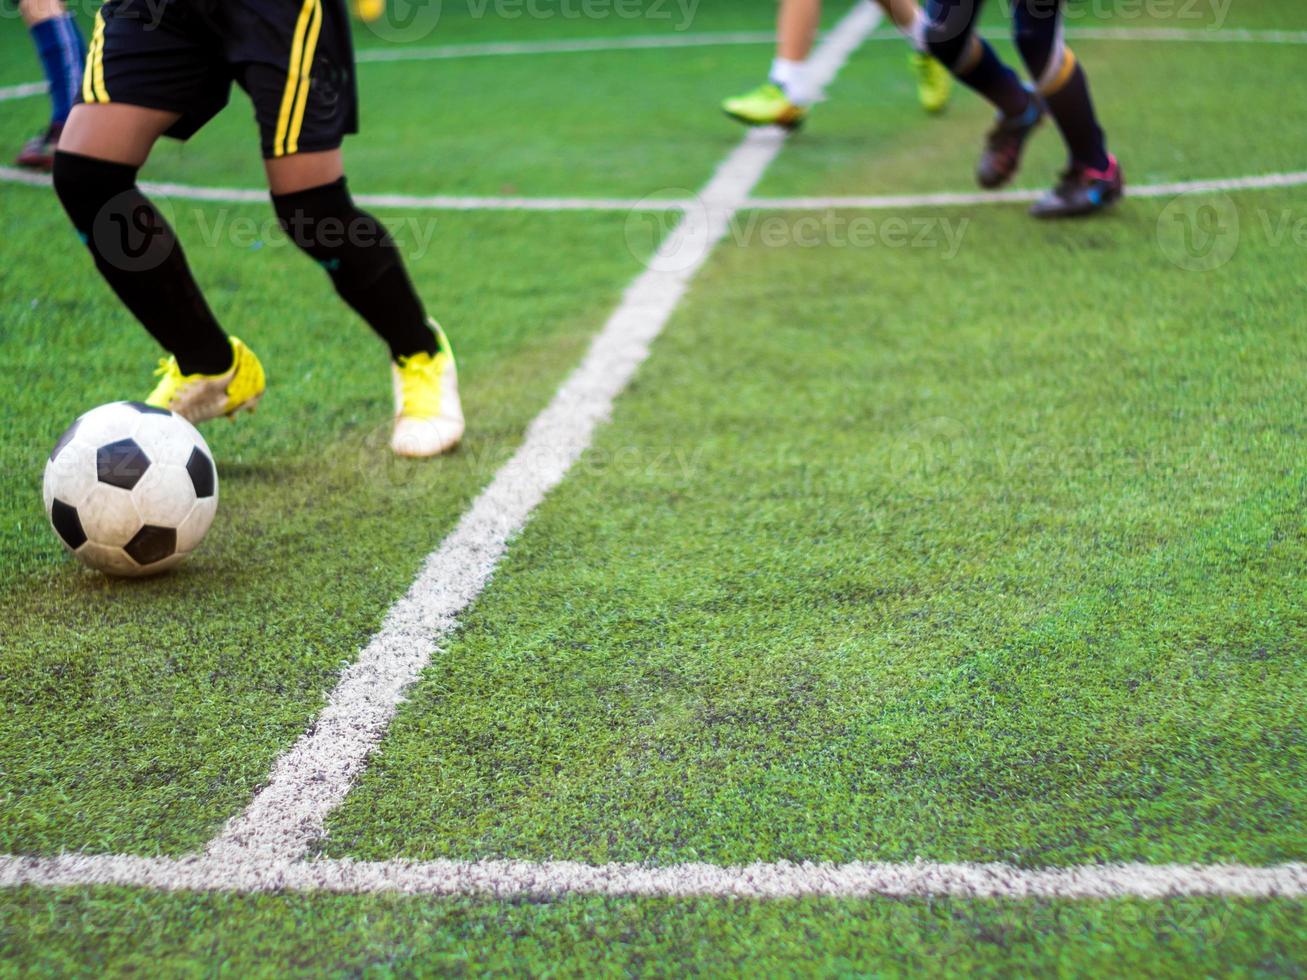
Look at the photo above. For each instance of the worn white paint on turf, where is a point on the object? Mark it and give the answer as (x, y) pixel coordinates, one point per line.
(502, 879)
(287, 816)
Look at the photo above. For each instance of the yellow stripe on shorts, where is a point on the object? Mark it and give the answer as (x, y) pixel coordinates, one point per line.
(292, 78)
(306, 67)
(93, 89)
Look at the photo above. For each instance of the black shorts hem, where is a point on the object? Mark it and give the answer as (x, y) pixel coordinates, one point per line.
(306, 146)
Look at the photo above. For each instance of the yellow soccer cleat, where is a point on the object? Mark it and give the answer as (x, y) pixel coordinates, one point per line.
(428, 413)
(200, 397)
(369, 10)
(933, 81)
(767, 105)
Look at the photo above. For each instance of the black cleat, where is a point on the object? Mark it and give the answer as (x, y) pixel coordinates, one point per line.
(1082, 190)
(1001, 157)
(38, 152)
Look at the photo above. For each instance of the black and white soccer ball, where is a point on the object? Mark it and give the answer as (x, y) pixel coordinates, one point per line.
(131, 489)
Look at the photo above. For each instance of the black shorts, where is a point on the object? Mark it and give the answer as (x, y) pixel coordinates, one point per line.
(294, 59)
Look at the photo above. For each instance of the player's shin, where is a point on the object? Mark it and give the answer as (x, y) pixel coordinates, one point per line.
(139, 256)
(363, 262)
(1060, 80)
(971, 60)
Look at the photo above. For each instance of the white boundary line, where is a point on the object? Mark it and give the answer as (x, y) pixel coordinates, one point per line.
(781, 880)
(450, 52)
(27, 89)
(880, 203)
(287, 816)
(447, 52)
(493, 49)
(886, 202)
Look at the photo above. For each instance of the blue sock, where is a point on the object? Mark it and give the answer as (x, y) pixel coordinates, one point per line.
(59, 43)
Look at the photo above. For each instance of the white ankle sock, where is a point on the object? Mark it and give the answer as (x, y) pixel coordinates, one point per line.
(916, 33)
(793, 79)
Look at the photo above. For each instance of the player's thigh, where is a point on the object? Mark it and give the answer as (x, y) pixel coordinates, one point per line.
(114, 132)
(300, 171)
(295, 60)
(151, 69)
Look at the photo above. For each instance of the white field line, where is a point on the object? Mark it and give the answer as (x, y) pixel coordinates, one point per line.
(964, 198)
(287, 816)
(884, 202)
(26, 90)
(450, 52)
(499, 49)
(782, 880)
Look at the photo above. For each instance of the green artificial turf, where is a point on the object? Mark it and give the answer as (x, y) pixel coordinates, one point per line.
(926, 533)
(122, 932)
(866, 569)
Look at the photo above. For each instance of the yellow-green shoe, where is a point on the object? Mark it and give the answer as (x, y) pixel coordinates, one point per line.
(766, 105)
(934, 83)
(200, 397)
(428, 413)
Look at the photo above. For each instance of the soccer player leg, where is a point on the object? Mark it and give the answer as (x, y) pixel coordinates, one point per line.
(951, 37)
(1092, 180)
(140, 83)
(305, 101)
(365, 266)
(783, 100)
(61, 49)
(933, 79)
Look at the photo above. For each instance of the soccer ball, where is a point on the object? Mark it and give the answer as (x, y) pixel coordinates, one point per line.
(131, 489)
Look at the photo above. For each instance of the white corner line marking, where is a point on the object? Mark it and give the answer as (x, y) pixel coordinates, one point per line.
(782, 880)
(288, 815)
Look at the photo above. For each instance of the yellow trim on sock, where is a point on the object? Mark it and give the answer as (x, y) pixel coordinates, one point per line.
(1063, 74)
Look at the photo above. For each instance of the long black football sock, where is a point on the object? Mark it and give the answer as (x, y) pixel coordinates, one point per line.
(996, 82)
(1073, 109)
(140, 258)
(363, 262)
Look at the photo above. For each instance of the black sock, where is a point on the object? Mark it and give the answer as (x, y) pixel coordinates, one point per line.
(996, 82)
(363, 262)
(1073, 109)
(141, 259)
